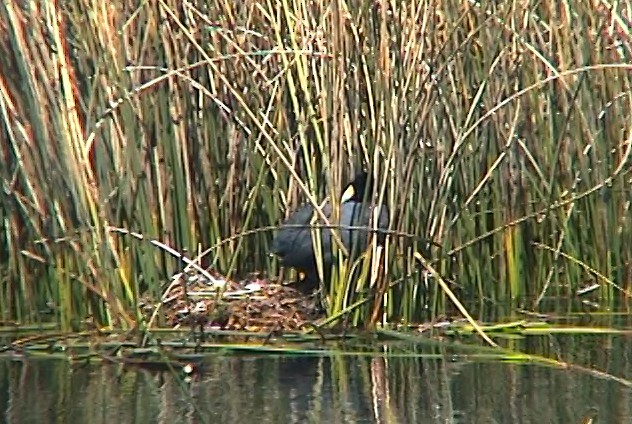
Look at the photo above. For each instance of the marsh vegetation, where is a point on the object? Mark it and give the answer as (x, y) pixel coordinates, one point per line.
(500, 132)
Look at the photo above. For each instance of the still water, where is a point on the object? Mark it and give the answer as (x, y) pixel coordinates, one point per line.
(437, 388)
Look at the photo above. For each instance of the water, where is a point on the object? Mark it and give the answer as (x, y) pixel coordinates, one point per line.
(441, 388)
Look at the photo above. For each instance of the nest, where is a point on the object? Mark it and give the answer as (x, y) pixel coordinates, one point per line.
(254, 304)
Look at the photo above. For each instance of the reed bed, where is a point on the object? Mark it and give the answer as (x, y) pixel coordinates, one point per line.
(499, 135)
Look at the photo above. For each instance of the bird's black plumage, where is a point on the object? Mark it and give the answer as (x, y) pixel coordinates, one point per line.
(294, 244)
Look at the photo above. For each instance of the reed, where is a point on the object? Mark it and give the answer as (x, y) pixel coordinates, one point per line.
(500, 131)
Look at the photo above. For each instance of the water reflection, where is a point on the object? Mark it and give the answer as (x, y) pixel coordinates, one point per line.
(336, 389)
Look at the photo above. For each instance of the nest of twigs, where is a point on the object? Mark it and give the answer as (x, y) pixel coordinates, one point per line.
(254, 304)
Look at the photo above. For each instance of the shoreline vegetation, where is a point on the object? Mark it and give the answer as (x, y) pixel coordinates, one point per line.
(136, 134)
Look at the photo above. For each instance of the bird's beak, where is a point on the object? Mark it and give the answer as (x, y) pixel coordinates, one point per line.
(348, 194)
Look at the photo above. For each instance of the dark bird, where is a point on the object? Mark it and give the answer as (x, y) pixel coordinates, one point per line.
(294, 245)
